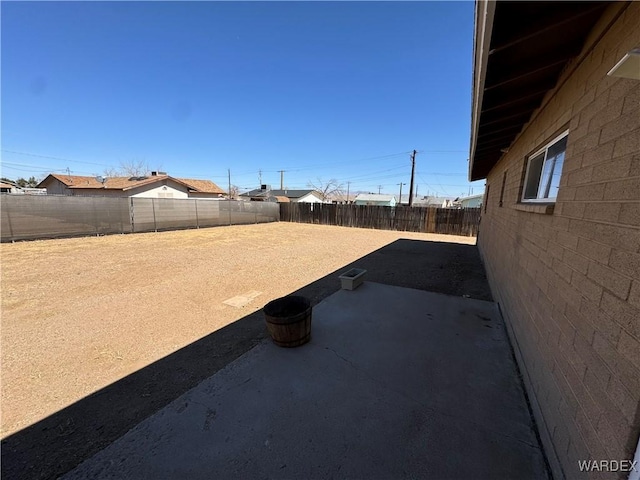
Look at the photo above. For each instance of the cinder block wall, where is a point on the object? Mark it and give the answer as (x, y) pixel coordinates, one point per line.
(568, 283)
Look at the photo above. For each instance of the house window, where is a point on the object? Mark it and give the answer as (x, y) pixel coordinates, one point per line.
(542, 178)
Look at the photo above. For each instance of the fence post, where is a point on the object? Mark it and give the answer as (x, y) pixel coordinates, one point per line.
(195, 202)
(95, 216)
(132, 215)
(153, 205)
(4, 207)
(120, 219)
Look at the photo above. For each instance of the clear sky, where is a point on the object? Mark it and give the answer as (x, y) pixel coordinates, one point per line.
(342, 90)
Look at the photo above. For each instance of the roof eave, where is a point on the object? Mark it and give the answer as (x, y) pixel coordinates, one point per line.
(517, 71)
(485, 11)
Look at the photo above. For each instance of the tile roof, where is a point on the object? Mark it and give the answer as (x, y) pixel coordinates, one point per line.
(204, 186)
(127, 183)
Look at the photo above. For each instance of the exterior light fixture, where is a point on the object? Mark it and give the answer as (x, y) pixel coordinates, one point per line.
(628, 66)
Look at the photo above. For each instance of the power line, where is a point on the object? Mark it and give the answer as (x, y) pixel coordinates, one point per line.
(43, 170)
(375, 179)
(304, 167)
(343, 162)
(428, 185)
(195, 176)
(33, 167)
(376, 172)
(359, 179)
(54, 158)
(443, 151)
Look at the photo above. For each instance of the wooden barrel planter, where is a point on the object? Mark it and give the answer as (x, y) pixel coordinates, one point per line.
(289, 320)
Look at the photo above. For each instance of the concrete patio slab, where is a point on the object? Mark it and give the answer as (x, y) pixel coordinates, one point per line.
(395, 383)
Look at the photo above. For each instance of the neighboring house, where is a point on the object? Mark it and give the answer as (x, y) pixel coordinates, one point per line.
(379, 199)
(156, 185)
(266, 194)
(12, 188)
(555, 133)
(342, 199)
(473, 201)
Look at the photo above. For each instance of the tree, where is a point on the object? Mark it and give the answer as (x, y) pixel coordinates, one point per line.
(326, 189)
(32, 182)
(135, 168)
(234, 192)
(129, 168)
(111, 172)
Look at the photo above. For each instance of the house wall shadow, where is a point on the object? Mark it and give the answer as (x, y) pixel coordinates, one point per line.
(60, 442)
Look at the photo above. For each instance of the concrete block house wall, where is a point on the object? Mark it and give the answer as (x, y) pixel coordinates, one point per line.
(567, 276)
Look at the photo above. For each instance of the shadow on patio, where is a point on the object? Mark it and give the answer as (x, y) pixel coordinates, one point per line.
(457, 400)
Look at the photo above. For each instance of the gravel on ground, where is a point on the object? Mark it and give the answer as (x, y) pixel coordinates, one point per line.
(79, 314)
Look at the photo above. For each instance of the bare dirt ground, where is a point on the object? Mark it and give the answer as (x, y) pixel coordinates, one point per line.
(98, 334)
(79, 314)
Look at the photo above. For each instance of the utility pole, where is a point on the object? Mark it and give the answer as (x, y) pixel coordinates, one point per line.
(413, 170)
(416, 190)
(281, 179)
(348, 185)
(260, 177)
(400, 201)
(379, 188)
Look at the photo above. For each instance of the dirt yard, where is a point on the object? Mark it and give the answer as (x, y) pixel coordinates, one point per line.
(79, 314)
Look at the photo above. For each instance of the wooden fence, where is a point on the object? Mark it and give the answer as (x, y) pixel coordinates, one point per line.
(409, 219)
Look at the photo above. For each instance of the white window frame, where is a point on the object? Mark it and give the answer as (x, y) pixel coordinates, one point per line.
(544, 162)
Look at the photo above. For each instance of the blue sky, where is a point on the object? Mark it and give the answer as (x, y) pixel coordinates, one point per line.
(325, 90)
